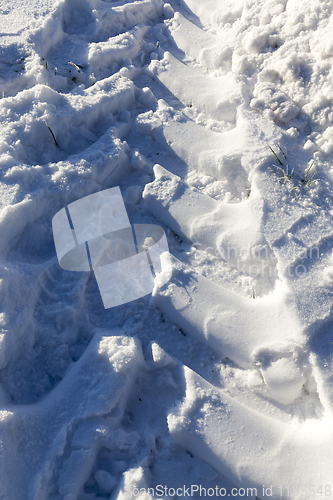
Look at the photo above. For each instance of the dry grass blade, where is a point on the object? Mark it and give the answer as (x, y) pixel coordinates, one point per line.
(75, 66)
(55, 140)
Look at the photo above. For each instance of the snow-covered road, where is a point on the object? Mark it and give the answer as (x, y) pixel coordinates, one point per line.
(215, 120)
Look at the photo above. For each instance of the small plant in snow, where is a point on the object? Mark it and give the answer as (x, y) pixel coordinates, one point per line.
(309, 181)
(287, 175)
(76, 66)
(55, 141)
(276, 156)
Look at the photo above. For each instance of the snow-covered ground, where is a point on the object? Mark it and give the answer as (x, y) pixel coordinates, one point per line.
(215, 119)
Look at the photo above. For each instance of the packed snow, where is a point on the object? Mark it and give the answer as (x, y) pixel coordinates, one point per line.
(202, 133)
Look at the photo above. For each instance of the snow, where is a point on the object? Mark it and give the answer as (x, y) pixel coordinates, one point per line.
(166, 249)
(197, 90)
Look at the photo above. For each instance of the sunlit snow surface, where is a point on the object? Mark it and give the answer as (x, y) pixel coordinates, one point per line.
(17, 18)
(208, 116)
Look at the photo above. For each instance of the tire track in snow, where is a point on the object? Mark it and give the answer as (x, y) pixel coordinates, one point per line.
(51, 447)
(169, 200)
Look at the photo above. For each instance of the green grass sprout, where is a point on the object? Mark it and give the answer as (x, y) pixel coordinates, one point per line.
(278, 145)
(309, 181)
(286, 174)
(276, 156)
